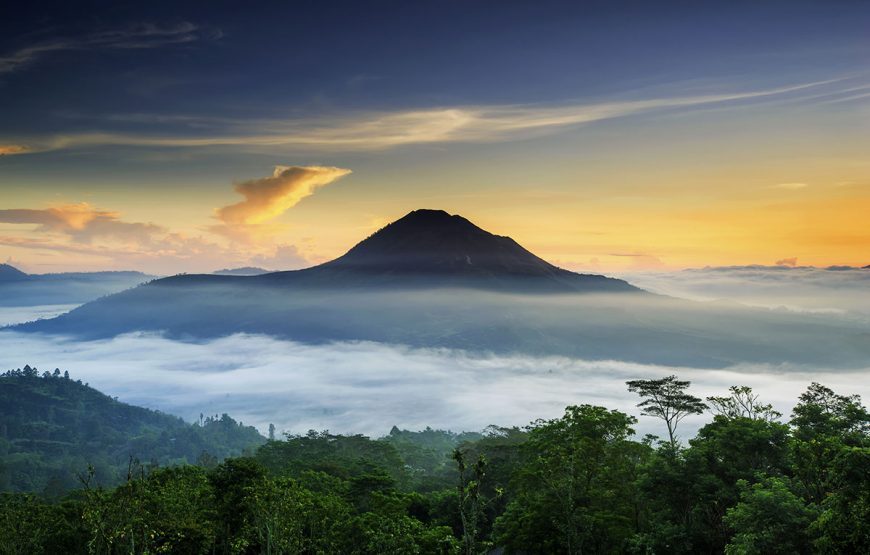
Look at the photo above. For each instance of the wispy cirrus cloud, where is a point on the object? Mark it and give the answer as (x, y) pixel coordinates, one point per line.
(791, 186)
(383, 130)
(144, 35)
(13, 149)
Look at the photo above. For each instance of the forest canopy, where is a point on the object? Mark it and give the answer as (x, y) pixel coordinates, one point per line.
(750, 481)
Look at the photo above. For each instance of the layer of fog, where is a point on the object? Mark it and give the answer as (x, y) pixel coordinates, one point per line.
(18, 314)
(641, 328)
(356, 387)
(836, 290)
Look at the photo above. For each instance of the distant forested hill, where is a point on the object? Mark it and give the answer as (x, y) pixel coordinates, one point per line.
(52, 427)
(21, 289)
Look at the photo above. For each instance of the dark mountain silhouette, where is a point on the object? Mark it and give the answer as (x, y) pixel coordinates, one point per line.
(435, 242)
(435, 280)
(9, 273)
(20, 289)
(431, 248)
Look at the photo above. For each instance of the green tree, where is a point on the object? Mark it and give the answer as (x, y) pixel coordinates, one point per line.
(168, 511)
(844, 524)
(23, 524)
(724, 452)
(471, 502)
(769, 520)
(288, 518)
(666, 398)
(743, 403)
(825, 423)
(574, 495)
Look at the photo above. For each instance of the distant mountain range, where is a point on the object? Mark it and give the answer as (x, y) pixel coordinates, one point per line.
(431, 279)
(18, 288)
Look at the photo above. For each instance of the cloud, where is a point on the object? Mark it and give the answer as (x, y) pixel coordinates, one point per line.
(9, 150)
(837, 289)
(787, 262)
(374, 131)
(640, 260)
(82, 222)
(790, 186)
(140, 36)
(368, 387)
(285, 257)
(267, 198)
(86, 231)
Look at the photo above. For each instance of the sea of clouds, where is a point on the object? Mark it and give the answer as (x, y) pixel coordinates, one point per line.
(835, 290)
(357, 387)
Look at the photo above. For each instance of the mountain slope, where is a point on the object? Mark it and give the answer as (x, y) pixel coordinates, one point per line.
(9, 273)
(52, 427)
(434, 242)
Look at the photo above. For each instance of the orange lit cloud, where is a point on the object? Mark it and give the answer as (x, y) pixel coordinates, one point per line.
(89, 234)
(269, 197)
(82, 223)
(8, 150)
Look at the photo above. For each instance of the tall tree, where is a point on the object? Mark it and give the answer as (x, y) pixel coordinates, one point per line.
(666, 398)
(742, 403)
(574, 494)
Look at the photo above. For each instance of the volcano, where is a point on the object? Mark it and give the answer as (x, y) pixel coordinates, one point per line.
(431, 248)
(435, 280)
(437, 243)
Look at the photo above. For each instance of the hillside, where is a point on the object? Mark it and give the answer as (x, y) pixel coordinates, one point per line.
(9, 273)
(52, 427)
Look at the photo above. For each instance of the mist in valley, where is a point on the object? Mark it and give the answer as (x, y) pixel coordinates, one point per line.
(365, 387)
(361, 361)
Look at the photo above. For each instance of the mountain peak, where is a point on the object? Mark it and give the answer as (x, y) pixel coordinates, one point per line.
(433, 248)
(11, 273)
(436, 242)
(445, 249)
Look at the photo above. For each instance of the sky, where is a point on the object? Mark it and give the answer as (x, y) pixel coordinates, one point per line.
(604, 136)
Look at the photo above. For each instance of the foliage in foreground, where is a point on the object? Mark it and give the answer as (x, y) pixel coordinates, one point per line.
(746, 483)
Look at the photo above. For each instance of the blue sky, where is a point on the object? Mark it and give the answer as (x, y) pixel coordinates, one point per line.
(153, 111)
